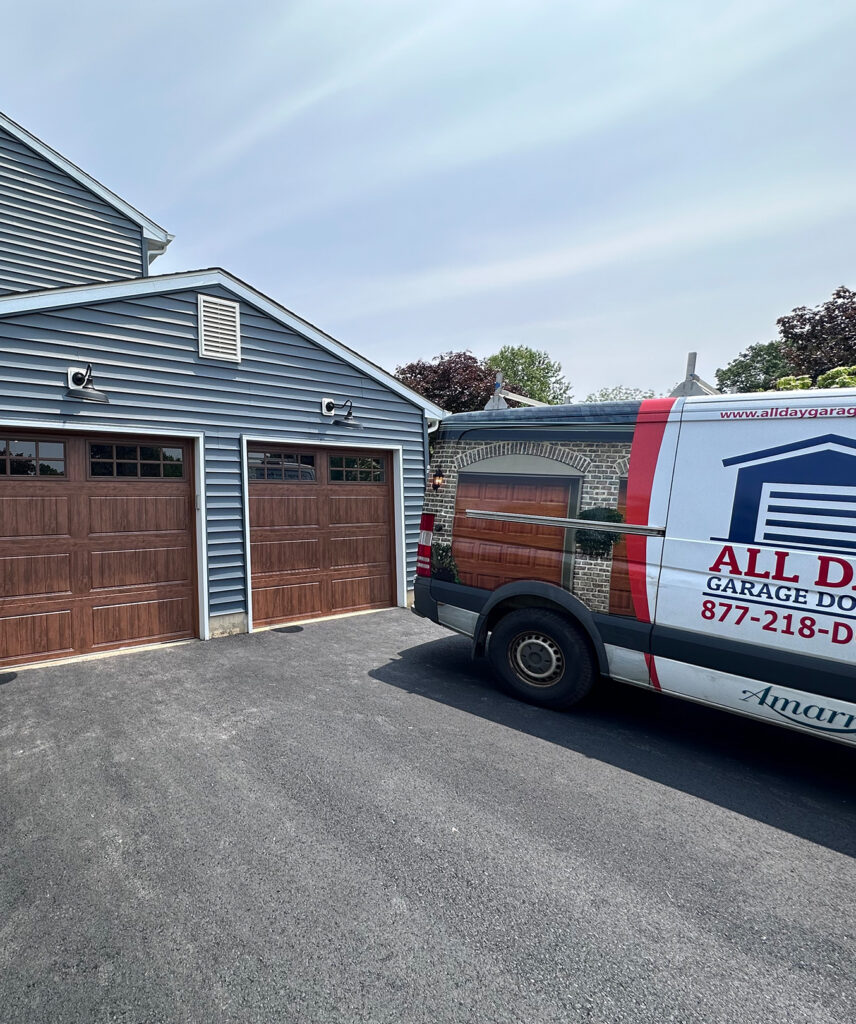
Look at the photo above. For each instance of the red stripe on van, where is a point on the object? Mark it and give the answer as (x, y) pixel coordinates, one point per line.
(652, 671)
(644, 453)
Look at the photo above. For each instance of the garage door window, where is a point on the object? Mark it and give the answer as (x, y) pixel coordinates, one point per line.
(357, 469)
(280, 467)
(135, 460)
(31, 458)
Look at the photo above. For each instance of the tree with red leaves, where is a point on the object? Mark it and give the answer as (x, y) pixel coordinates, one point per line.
(456, 381)
(816, 340)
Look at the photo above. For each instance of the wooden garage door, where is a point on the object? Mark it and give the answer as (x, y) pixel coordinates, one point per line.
(96, 544)
(489, 553)
(321, 532)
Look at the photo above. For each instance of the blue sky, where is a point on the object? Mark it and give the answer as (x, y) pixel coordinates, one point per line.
(616, 182)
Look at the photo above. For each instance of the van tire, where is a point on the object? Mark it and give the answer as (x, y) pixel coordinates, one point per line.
(542, 658)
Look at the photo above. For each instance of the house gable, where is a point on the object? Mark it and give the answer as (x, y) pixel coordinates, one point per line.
(218, 282)
(59, 226)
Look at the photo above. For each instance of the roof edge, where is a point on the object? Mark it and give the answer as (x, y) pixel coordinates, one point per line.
(765, 454)
(152, 231)
(78, 295)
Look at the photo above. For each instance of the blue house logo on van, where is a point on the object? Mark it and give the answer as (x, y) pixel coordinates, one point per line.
(802, 495)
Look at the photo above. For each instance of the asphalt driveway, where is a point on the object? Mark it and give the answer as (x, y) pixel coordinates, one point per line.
(345, 822)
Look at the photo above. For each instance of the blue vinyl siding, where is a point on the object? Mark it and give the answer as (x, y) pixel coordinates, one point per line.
(54, 231)
(144, 353)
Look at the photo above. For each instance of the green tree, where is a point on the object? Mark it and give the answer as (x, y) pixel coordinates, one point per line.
(531, 372)
(756, 369)
(620, 393)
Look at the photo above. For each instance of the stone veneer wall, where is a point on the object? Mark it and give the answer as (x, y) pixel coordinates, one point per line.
(602, 463)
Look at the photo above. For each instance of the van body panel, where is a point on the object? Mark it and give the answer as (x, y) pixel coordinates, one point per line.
(760, 551)
(734, 581)
(781, 705)
(627, 666)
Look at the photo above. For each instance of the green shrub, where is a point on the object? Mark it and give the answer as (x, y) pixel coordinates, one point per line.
(839, 377)
(793, 383)
(443, 565)
(599, 543)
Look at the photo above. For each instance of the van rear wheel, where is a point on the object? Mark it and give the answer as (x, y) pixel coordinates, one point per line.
(542, 658)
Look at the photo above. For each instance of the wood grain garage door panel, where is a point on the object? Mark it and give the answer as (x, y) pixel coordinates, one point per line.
(27, 637)
(489, 553)
(345, 552)
(160, 619)
(360, 591)
(286, 556)
(147, 513)
(92, 562)
(32, 516)
(289, 601)
(34, 576)
(143, 567)
(358, 509)
(319, 546)
(286, 511)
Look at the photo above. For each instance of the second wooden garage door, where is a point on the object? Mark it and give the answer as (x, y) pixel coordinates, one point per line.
(321, 532)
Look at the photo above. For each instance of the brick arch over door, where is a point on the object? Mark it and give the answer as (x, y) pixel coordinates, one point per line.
(541, 449)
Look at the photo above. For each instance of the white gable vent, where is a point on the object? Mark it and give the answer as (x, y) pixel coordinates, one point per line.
(219, 329)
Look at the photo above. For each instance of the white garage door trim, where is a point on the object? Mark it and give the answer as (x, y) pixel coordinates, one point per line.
(93, 427)
(397, 501)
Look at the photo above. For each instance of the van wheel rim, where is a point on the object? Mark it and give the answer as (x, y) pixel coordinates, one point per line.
(536, 658)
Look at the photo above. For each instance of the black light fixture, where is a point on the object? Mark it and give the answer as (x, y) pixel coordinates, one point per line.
(348, 419)
(329, 407)
(80, 386)
(437, 479)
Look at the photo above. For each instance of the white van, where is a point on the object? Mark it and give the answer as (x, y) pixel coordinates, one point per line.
(703, 547)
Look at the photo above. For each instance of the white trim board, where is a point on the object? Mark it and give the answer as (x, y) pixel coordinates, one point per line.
(81, 295)
(157, 237)
(57, 426)
(397, 505)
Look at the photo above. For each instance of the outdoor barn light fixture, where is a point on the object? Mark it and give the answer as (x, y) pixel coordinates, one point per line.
(329, 407)
(80, 385)
(437, 479)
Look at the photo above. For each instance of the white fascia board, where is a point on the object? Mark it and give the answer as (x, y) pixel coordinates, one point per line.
(152, 232)
(82, 295)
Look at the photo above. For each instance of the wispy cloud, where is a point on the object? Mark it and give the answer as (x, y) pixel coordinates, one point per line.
(665, 71)
(273, 116)
(683, 230)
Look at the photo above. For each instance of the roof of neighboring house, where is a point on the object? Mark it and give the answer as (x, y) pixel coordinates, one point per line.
(83, 295)
(796, 447)
(158, 238)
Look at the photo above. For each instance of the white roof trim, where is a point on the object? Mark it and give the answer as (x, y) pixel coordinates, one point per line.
(153, 233)
(795, 453)
(58, 298)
